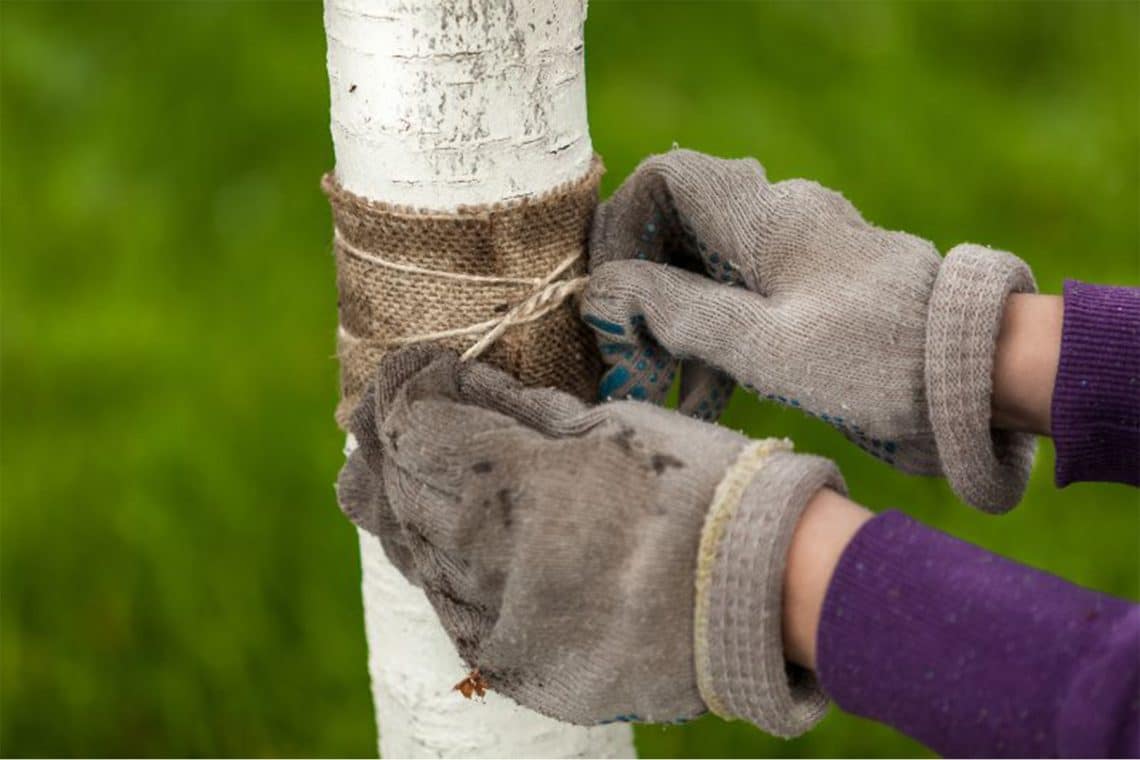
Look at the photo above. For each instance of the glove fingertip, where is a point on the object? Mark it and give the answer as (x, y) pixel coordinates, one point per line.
(705, 391)
(613, 383)
(362, 422)
(396, 368)
(598, 249)
(354, 482)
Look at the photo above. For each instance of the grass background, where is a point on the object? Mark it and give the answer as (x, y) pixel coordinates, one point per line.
(175, 577)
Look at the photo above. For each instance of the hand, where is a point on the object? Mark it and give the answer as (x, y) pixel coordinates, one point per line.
(806, 303)
(617, 562)
(360, 485)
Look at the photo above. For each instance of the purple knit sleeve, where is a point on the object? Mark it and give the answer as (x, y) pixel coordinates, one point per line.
(975, 655)
(1096, 398)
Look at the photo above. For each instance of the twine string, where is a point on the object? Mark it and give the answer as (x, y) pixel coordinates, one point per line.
(547, 294)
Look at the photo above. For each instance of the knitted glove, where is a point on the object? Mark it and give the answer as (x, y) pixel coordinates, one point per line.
(618, 562)
(806, 303)
(360, 485)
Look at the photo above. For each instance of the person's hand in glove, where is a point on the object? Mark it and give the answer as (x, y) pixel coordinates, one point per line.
(806, 303)
(595, 563)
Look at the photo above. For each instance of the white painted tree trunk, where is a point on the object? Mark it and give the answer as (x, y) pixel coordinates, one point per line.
(438, 104)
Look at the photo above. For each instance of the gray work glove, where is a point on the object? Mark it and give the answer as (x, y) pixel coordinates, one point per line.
(617, 562)
(804, 302)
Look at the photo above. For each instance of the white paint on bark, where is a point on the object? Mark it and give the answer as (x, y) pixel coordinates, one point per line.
(439, 104)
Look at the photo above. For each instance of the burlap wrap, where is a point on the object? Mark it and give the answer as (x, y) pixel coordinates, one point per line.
(525, 239)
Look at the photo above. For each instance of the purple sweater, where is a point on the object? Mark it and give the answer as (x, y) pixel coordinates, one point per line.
(975, 655)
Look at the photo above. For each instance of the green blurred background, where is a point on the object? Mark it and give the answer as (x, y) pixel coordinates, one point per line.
(176, 578)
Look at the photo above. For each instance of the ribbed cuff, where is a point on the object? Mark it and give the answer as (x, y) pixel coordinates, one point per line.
(747, 675)
(1096, 397)
(987, 468)
(975, 655)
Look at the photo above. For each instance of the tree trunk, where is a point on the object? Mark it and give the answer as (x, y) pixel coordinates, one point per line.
(438, 104)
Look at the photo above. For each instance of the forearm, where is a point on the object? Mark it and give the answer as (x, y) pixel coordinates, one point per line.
(1070, 368)
(1025, 362)
(965, 651)
(828, 524)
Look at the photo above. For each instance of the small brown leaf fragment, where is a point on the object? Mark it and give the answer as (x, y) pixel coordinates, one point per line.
(473, 684)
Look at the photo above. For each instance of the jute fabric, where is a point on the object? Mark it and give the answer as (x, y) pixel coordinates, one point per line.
(499, 252)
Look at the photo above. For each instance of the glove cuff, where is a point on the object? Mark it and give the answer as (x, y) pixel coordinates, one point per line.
(987, 468)
(741, 670)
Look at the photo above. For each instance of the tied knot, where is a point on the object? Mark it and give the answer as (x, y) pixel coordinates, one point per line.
(547, 294)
